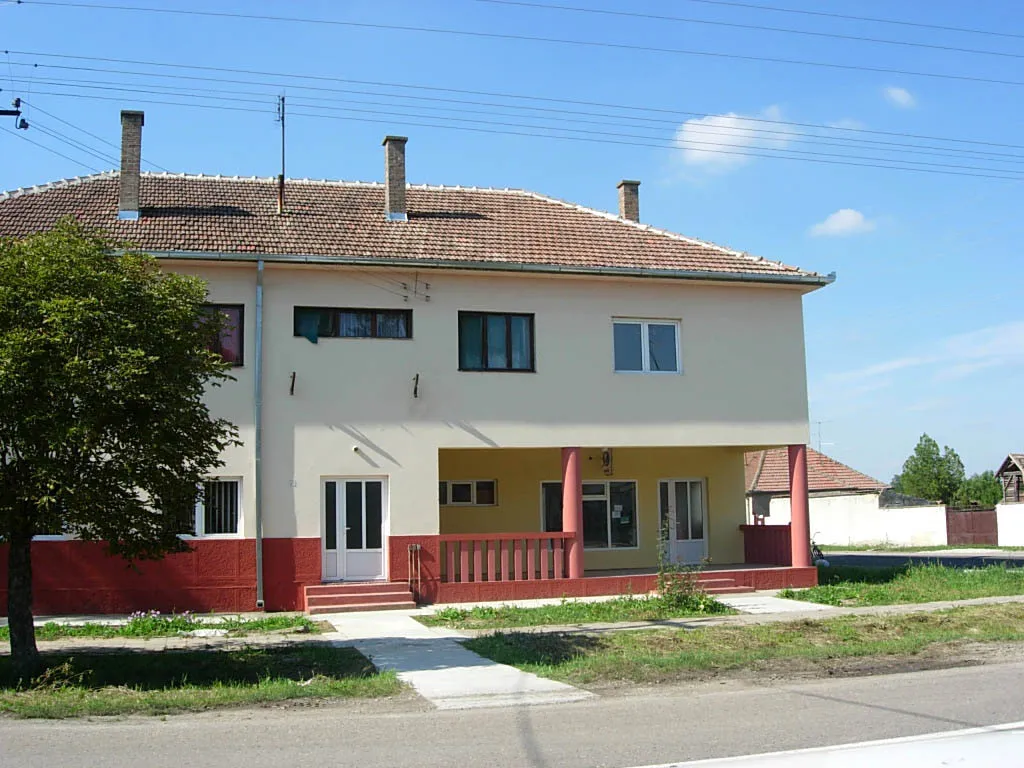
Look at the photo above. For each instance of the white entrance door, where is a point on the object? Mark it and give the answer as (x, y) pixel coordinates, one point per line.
(353, 528)
(684, 518)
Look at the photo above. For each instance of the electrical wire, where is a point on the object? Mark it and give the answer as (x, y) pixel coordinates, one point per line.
(55, 152)
(757, 27)
(68, 141)
(494, 94)
(742, 128)
(848, 17)
(535, 39)
(890, 164)
(87, 133)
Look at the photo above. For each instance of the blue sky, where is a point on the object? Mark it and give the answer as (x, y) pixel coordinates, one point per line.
(922, 332)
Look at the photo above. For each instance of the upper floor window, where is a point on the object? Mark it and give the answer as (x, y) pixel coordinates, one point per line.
(229, 342)
(320, 322)
(493, 341)
(646, 346)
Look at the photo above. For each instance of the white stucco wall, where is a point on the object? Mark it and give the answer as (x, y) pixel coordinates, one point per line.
(743, 380)
(1010, 522)
(856, 519)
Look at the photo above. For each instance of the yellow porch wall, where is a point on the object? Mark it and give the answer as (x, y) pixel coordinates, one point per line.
(520, 472)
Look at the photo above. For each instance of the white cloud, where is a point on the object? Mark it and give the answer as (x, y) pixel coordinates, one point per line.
(954, 357)
(848, 122)
(721, 142)
(845, 221)
(900, 97)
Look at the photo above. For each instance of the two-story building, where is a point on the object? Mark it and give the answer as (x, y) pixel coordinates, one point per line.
(464, 393)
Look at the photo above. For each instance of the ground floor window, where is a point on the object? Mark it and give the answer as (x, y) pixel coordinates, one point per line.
(609, 512)
(218, 510)
(467, 493)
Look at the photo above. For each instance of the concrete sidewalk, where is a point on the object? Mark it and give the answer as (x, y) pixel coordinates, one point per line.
(438, 667)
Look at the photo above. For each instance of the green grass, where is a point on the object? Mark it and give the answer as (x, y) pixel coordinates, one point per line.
(666, 655)
(175, 681)
(168, 625)
(854, 586)
(576, 612)
(896, 548)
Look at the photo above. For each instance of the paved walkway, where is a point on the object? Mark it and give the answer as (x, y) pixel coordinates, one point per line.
(439, 668)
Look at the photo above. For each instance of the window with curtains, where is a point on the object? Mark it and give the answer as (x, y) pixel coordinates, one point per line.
(218, 508)
(229, 343)
(328, 322)
(493, 341)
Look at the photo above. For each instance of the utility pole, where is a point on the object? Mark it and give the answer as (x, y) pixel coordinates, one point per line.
(19, 122)
(280, 178)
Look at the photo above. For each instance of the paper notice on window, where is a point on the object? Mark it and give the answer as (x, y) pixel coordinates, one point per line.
(616, 511)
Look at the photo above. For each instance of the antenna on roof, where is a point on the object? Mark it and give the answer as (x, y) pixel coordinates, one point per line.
(280, 178)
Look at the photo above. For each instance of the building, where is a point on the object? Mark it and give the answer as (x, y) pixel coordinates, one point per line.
(847, 507)
(464, 393)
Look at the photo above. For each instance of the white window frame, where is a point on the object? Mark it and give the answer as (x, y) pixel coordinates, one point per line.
(200, 516)
(472, 484)
(606, 496)
(645, 343)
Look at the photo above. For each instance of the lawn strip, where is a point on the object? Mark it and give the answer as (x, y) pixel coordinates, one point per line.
(570, 612)
(172, 625)
(144, 682)
(857, 586)
(667, 655)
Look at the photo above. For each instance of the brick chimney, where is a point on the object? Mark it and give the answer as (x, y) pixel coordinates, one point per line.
(131, 160)
(629, 200)
(394, 178)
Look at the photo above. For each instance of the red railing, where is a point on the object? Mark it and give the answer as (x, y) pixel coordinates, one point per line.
(504, 557)
(767, 544)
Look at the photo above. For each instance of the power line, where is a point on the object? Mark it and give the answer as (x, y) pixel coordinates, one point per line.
(741, 130)
(848, 17)
(881, 163)
(87, 133)
(55, 152)
(66, 140)
(872, 162)
(535, 39)
(494, 94)
(757, 27)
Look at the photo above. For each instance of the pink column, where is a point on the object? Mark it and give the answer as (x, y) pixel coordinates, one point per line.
(800, 530)
(572, 510)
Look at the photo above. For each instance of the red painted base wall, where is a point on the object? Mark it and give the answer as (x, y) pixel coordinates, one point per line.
(78, 577)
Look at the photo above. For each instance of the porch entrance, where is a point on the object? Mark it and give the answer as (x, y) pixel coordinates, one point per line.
(353, 528)
(682, 504)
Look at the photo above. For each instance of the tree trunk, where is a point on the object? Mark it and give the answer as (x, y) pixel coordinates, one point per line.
(24, 654)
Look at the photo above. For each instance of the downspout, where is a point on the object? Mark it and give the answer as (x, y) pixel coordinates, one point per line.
(258, 424)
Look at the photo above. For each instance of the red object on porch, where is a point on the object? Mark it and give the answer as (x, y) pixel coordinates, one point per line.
(767, 544)
(491, 554)
(800, 535)
(572, 510)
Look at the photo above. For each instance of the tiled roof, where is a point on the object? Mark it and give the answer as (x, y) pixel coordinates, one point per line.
(768, 472)
(510, 229)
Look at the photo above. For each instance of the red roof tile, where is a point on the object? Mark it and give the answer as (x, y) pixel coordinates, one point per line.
(345, 220)
(768, 472)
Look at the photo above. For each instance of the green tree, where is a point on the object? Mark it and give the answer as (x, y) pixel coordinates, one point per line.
(930, 474)
(104, 432)
(985, 489)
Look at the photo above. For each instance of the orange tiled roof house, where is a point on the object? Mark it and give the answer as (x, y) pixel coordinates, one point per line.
(452, 393)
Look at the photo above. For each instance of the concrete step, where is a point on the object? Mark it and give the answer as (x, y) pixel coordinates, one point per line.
(354, 587)
(360, 607)
(315, 601)
(736, 589)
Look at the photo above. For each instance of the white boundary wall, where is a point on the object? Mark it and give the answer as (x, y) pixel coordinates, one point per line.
(1010, 519)
(856, 519)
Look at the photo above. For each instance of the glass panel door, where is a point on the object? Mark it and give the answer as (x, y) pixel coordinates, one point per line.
(681, 505)
(355, 512)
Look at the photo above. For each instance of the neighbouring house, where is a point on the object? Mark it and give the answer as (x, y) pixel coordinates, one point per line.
(847, 507)
(1010, 511)
(450, 393)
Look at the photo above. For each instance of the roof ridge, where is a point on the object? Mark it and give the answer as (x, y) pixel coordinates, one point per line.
(71, 182)
(659, 231)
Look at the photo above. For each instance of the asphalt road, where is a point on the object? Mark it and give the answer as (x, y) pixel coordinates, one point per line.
(656, 726)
